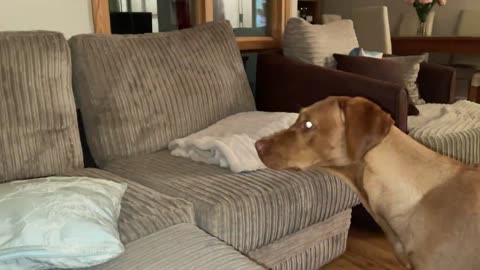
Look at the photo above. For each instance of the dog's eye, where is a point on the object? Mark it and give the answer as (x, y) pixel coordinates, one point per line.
(308, 124)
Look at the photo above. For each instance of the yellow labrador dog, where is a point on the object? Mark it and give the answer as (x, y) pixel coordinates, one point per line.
(427, 204)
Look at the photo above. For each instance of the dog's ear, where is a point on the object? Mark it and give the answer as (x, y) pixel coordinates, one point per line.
(366, 124)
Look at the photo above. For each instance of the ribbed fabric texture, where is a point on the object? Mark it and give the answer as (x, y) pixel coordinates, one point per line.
(139, 92)
(247, 210)
(144, 211)
(308, 249)
(454, 132)
(316, 44)
(410, 67)
(38, 122)
(181, 247)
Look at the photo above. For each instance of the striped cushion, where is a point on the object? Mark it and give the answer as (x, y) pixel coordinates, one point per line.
(139, 92)
(316, 44)
(180, 247)
(449, 129)
(308, 249)
(246, 210)
(38, 123)
(144, 211)
(410, 66)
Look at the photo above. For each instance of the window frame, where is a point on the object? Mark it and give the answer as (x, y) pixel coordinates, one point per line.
(281, 11)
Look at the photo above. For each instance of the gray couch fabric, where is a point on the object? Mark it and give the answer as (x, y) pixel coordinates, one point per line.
(139, 92)
(38, 122)
(180, 247)
(136, 94)
(310, 248)
(246, 210)
(144, 211)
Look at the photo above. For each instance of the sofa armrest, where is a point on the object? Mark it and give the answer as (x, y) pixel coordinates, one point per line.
(287, 85)
(436, 83)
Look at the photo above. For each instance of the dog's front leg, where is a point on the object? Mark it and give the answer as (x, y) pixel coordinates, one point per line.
(398, 247)
(401, 254)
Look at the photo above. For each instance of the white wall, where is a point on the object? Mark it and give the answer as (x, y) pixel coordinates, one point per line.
(445, 21)
(67, 16)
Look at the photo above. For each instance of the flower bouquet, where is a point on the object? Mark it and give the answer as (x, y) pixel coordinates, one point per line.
(423, 8)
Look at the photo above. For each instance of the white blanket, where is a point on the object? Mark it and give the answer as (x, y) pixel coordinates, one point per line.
(462, 114)
(230, 143)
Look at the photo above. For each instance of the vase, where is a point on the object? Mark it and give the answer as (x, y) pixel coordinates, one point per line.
(422, 29)
(422, 12)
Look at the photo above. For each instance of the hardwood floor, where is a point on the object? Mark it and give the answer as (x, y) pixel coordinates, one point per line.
(366, 250)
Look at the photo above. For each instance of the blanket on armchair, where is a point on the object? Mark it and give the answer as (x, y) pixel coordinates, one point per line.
(230, 142)
(450, 129)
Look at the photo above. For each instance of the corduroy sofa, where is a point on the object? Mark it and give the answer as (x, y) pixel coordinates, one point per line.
(135, 94)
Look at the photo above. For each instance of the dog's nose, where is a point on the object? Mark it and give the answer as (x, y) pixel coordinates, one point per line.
(260, 146)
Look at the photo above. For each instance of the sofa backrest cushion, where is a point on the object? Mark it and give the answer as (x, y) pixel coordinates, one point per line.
(139, 92)
(316, 44)
(38, 123)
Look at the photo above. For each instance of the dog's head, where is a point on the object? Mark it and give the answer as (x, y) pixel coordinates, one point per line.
(334, 132)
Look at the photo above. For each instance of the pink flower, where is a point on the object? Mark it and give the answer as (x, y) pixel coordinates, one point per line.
(442, 2)
(425, 1)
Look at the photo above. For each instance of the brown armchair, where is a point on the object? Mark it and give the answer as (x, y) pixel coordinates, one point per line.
(284, 84)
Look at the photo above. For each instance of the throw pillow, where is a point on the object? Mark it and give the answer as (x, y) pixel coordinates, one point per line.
(59, 222)
(316, 44)
(378, 69)
(410, 68)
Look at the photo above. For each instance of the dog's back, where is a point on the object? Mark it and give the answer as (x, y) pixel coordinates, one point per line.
(448, 223)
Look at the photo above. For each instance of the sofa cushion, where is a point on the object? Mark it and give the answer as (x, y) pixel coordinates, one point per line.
(59, 222)
(38, 123)
(410, 69)
(316, 44)
(246, 210)
(139, 92)
(315, 246)
(144, 211)
(378, 69)
(180, 247)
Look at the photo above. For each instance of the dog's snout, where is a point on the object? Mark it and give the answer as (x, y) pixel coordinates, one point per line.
(260, 146)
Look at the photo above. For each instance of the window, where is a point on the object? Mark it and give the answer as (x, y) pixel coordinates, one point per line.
(258, 24)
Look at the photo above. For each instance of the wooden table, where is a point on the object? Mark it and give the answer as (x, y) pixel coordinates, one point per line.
(461, 45)
(416, 45)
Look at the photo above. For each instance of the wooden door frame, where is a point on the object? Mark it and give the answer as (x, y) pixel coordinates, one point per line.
(281, 11)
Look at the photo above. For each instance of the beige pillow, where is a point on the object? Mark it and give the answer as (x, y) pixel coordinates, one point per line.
(316, 44)
(410, 69)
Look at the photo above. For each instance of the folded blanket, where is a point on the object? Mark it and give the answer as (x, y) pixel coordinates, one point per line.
(230, 143)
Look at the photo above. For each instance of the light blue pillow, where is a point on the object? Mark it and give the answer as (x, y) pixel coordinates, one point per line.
(365, 53)
(59, 222)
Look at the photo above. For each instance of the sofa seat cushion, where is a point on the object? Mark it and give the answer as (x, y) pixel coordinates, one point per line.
(180, 247)
(144, 211)
(246, 210)
(38, 122)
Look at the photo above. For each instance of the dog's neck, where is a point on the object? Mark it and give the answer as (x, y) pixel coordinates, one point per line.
(395, 175)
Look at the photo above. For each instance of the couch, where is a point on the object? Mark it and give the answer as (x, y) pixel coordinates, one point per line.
(135, 94)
